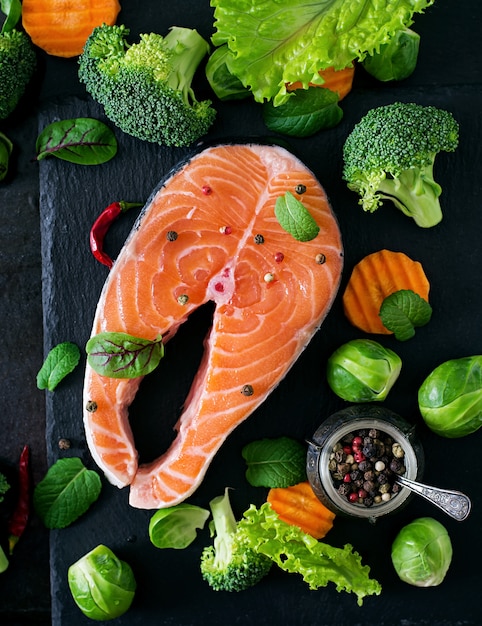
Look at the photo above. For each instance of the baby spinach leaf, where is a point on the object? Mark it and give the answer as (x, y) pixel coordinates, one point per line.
(295, 218)
(119, 355)
(66, 492)
(402, 311)
(275, 462)
(82, 140)
(60, 361)
(305, 113)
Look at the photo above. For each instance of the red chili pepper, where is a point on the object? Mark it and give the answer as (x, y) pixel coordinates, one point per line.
(19, 519)
(101, 226)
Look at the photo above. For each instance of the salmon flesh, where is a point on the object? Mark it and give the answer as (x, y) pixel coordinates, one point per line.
(209, 233)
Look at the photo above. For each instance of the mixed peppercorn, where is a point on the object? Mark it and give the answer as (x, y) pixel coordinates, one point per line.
(364, 466)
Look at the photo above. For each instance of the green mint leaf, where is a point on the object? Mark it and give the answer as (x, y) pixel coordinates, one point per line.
(295, 218)
(13, 11)
(305, 113)
(66, 492)
(404, 310)
(6, 148)
(82, 140)
(119, 355)
(275, 462)
(60, 361)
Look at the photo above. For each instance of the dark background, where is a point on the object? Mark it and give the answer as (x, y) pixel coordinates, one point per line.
(50, 286)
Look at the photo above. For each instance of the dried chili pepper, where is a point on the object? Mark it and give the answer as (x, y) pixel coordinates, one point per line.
(19, 518)
(101, 226)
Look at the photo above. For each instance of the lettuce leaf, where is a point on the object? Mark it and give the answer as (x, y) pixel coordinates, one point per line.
(295, 551)
(283, 41)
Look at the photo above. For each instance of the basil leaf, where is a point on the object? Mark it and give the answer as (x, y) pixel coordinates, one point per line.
(81, 140)
(6, 147)
(305, 113)
(60, 361)
(13, 11)
(119, 355)
(275, 462)
(66, 492)
(295, 218)
(402, 311)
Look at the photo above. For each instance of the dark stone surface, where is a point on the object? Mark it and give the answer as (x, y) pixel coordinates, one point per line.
(449, 74)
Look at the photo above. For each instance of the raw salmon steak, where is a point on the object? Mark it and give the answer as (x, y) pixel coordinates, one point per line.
(210, 233)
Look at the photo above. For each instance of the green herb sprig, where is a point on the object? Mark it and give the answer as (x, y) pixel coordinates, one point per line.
(60, 361)
(295, 218)
(404, 310)
(66, 492)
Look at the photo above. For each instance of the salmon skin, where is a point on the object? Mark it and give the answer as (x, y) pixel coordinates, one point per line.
(209, 233)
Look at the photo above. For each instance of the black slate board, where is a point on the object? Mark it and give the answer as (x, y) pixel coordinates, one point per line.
(170, 589)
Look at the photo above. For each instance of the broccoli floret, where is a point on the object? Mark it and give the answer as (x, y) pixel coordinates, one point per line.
(390, 153)
(229, 564)
(17, 65)
(145, 88)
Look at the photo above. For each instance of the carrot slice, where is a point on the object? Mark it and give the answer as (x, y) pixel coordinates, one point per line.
(374, 278)
(299, 506)
(61, 27)
(340, 81)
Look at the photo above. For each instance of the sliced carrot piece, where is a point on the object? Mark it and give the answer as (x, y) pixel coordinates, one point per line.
(374, 278)
(339, 81)
(61, 27)
(299, 506)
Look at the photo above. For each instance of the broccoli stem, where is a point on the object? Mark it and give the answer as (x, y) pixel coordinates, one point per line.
(189, 49)
(416, 194)
(225, 525)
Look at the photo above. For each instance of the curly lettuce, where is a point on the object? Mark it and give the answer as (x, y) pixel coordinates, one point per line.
(297, 552)
(276, 42)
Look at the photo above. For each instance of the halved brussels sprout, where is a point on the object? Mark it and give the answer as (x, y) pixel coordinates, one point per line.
(362, 370)
(396, 59)
(450, 398)
(101, 584)
(176, 526)
(422, 553)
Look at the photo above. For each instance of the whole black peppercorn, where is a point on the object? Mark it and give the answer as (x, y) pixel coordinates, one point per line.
(382, 478)
(344, 489)
(356, 475)
(370, 450)
(364, 466)
(396, 466)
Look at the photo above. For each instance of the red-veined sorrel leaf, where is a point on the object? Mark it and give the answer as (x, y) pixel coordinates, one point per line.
(82, 140)
(119, 355)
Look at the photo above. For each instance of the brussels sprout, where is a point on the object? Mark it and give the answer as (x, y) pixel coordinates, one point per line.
(422, 552)
(396, 59)
(362, 370)
(450, 398)
(225, 85)
(176, 527)
(102, 585)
